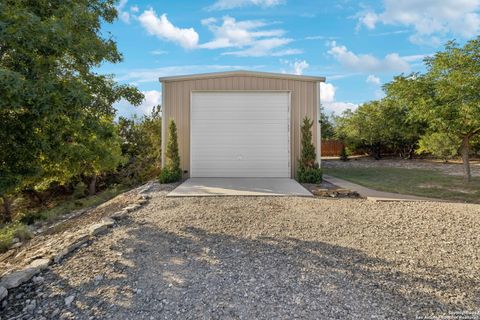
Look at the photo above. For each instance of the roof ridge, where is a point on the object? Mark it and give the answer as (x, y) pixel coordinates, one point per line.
(240, 72)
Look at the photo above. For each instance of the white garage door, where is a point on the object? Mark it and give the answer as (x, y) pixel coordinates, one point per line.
(240, 134)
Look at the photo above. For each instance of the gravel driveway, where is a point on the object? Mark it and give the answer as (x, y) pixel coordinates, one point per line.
(268, 258)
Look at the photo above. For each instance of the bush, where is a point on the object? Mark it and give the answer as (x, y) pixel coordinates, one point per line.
(168, 175)
(172, 171)
(310, 175)
(32, 216)
(15, 230)
(308, 170)
(344, 154)
(80, 190)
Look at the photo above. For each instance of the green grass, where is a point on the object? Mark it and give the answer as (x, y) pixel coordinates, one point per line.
(19, 229)
(425, 183)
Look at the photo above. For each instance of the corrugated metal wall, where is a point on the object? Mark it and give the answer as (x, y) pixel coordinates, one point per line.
(176, 106)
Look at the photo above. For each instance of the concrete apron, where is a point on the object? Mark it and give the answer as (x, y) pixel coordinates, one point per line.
(205, 187)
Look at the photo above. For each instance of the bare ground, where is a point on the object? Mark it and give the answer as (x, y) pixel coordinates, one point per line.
(268, 258)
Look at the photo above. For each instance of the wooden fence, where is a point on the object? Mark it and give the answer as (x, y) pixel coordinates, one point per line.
(331, 148)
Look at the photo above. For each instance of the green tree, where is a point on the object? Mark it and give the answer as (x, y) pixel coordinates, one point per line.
(308, 170)
(447, 96)
(48, 53)
(171, 172)
(380, 126)
(439, 144)
(92, 148)
(363, 129)
(327, 128)
(141, 145)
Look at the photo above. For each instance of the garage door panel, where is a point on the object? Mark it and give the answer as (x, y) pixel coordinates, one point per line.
(240, 134)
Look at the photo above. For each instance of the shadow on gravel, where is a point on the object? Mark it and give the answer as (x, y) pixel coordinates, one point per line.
(194, 274)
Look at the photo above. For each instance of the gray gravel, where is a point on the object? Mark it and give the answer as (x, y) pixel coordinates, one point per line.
(267, 258)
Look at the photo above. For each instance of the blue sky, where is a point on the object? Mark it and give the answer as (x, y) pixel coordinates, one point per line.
(356, 45)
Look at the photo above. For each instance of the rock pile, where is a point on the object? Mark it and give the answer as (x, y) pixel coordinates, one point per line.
(42, 258)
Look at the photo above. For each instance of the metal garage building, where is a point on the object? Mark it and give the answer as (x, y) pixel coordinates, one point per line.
(240, 123)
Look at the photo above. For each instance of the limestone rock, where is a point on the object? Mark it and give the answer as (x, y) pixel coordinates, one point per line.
(69, 300)
(41, 264)
(16, 278)
(119, 215)
(3, 293)
(132, 207)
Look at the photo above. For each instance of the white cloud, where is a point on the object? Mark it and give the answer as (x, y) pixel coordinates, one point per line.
(164, 29)
(299, 66)
(230, 4)
(369, 19)
(327, 98)
(373, 80)
(152, 98)
(158, 52)
(367, 63)
(265, 47)
(327, 92)
(427, 17)
(295, 67)
(134, 9)
(249, 36)
(338, 108)
(123, 15)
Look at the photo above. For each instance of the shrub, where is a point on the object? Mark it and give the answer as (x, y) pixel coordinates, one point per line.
(32, 216)
(80, 190)
(15, 230)
(168, 175)
(171, 171)
(308, 170)
(310, 175)
(344, 154)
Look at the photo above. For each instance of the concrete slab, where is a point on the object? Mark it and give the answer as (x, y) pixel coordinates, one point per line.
(374, 195)
(204, 187)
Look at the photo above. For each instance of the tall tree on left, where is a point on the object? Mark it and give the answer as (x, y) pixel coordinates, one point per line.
(48, 52)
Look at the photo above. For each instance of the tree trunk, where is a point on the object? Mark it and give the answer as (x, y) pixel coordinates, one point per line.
(39, 197)
(92, 186)
(411, 152)
(464, 151)
(7, 209)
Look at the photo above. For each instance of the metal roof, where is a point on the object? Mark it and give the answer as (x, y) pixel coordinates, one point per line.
(242, 73)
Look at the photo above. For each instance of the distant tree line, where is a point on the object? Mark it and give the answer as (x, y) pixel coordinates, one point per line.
(436, 112)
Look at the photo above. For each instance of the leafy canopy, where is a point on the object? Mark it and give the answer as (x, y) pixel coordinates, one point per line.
(48, 87)
(447, 96)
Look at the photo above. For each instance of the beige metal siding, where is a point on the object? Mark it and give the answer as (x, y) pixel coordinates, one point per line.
(176, 95)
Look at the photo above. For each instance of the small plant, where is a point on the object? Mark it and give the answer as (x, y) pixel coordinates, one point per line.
(310, 175)
(171, 172)
(14, 230)
(344, 154)
(308, 170)
(80, 190)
